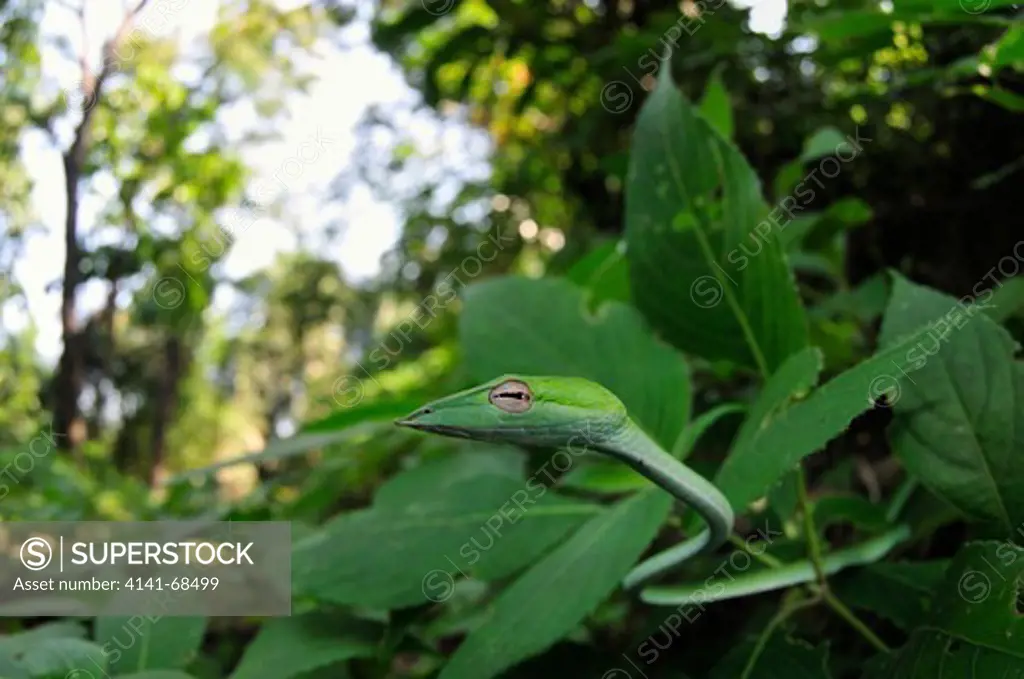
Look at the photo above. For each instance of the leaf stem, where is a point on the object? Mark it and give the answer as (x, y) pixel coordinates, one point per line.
(851, 618)
(813, 544)
(900, 498)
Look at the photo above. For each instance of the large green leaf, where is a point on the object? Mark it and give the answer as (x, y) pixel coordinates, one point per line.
(977, 630)
(405, 553)
(518, 325)
(556, 594)
(792, 380)
(289, 647)
(960, 406)
(706, 266)
(140, 642)
(799, 430)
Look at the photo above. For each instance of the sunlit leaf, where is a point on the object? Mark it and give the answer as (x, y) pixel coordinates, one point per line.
(706, 267)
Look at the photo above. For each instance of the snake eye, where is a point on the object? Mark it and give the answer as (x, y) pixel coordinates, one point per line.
(512, 396)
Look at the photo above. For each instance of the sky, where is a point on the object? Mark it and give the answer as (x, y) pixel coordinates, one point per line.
(348, 80)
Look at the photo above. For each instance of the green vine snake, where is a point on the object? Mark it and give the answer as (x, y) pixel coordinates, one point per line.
(555, 412)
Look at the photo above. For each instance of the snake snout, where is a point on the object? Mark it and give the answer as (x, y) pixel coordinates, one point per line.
(410, 420)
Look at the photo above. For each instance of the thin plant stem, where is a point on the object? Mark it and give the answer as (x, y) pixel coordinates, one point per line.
(814, 549)
(813, 543)
(851, 618)
(900, 498)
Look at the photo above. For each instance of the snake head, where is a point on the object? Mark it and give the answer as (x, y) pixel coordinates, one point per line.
(524, 410)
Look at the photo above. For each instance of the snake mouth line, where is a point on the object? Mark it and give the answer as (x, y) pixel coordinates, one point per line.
(442, 429)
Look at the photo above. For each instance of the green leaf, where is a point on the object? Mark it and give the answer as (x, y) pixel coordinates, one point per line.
(693, 431)
(518, 325)
(432, 478)
(705, 266)
(156, 674)
(864, 303)
(768, 449)
(605, 477)
(603, 273)
(899, 592)
(1008, 99)
(959, 406)
(850, 509)
(715, 106)
(792, 237)
(977, 630)
(793, 379)
(823, 142)
(1009, 50)
(290, 647)
(148, 642)
(816, 231)
(380, 409)
(556, 594)
(399, 555)
(1007, 301)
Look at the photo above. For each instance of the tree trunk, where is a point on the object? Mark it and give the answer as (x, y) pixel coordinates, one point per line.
(67, 422)
(166, 402)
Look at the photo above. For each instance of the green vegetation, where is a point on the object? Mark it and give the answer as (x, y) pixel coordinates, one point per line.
(792, 258)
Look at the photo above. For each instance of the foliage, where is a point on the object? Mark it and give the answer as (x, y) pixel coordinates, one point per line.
(680, 238)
